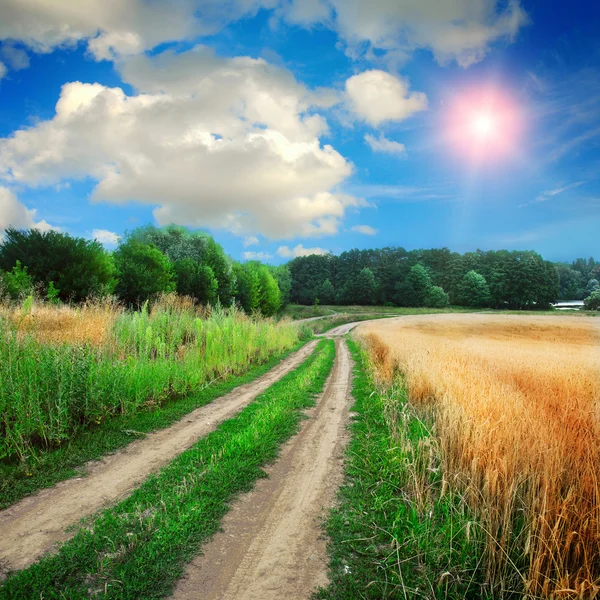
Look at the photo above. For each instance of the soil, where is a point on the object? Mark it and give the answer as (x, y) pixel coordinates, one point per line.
(272, 545)
(33, 526)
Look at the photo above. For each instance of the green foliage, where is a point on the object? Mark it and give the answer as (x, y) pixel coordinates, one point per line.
(326, 292)
(52, 294)
(51, 391)
(143, 272)
(592, 286)
(17, 283)
(413, 290)
(20, 479)
(196, 280)
(284, 281)
(270, 296)
(309, 272)
(473, 291)
(248, 286)
(138, 548)
(592, 302)
(178, 243)
(436, 297)
(79, 268)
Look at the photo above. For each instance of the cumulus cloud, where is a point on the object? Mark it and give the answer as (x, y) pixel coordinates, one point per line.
(377, 96)
(457, 30)
(210, 142)
(256, 255)
(299, 250)
(382, 144)
(117, 28)
(105, 237)
(364, 229)
(14, 213)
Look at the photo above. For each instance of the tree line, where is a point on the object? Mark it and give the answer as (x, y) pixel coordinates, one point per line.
(436, 278)
(149, 261)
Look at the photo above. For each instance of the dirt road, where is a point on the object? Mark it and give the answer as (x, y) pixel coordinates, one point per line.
(34, 525)
(271, 546)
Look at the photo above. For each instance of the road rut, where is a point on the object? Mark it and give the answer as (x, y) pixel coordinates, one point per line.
(272, 546)
(33, 526)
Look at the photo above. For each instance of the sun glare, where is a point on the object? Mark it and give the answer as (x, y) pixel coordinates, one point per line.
(483, 124)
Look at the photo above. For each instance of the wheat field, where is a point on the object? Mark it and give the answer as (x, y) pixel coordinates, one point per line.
(515, 403)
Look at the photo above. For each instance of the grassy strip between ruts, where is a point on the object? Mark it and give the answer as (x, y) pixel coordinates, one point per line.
(397, 533)
(138, 548)
(18, 480)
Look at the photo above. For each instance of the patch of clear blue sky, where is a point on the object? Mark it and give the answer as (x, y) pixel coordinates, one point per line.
(428, 198)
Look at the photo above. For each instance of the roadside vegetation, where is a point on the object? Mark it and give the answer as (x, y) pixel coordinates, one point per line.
(138, 548)
(397, 531)
(64, 370)
(511, 404)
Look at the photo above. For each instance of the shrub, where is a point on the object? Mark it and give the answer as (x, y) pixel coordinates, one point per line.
(592, 302)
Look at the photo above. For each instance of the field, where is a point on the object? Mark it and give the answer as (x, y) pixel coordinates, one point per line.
(512, 403)
(470, 471)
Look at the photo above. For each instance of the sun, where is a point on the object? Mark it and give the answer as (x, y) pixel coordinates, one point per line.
(483, 124)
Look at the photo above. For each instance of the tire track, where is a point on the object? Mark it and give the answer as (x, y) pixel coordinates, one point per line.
(272, 546)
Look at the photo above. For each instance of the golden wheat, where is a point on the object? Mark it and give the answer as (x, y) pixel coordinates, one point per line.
(517, 411)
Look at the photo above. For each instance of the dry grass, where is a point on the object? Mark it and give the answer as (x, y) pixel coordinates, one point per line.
(516, 402)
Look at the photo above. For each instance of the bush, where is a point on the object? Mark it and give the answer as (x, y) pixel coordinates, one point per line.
(144, 272)
(436, 297)
(16, 284)
(592, 302)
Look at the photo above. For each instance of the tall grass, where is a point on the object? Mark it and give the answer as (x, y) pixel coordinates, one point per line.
(516, 410)
(63, 369)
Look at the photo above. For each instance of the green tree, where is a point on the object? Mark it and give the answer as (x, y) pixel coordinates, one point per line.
(284, 281)
(248, 286)
(17, 283)
(436, 297)
(473, 290)
(592, 302)
(592, 286)
(366, 287)
(196, 280)
(178, 243)
(326, 292)
(143, 272)
(270, 296)
(413, 290)
(79, 268)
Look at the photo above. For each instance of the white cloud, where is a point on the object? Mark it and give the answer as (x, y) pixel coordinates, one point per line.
(251, 240)
(364, 229)
(377, 96)
(108, 238)
(256, 256)
(15, 214)
(382, 144)
(453, 30)
(548, 194)
(298, 250)
(116, 28)
(212, 142)
(16, 58)
(2, 70)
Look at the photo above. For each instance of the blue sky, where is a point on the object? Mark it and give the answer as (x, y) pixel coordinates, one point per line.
(285, 127)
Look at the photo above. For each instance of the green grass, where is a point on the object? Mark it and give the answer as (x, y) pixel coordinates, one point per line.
(19, 479)
(397, 533)
(50, 391)
(138, 548)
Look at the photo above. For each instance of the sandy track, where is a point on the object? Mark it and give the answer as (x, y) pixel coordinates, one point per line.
(272, 546)
(35, 524)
